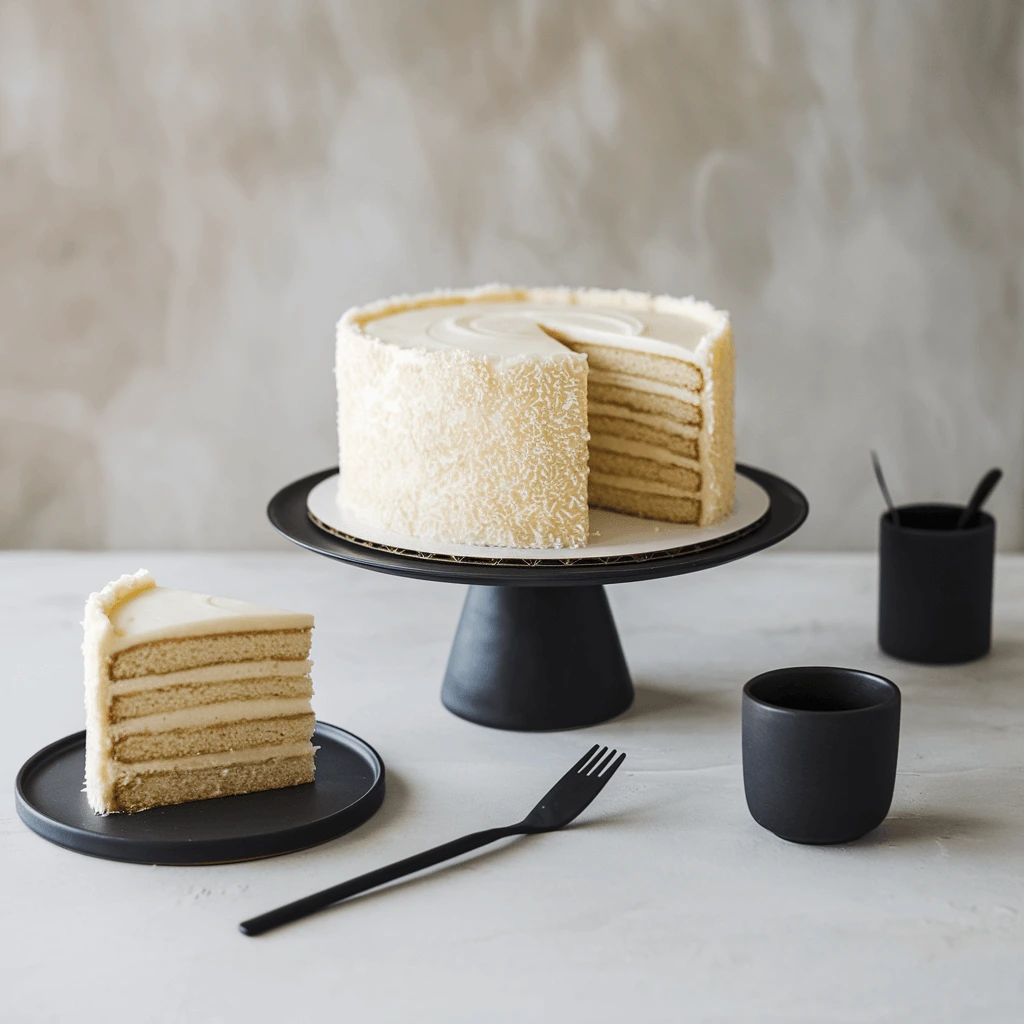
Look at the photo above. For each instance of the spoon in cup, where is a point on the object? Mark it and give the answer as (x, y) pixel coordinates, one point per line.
(985, 487)
(884, 488)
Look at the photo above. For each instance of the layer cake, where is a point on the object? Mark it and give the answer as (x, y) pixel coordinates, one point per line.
(189, 696)
(498, 415)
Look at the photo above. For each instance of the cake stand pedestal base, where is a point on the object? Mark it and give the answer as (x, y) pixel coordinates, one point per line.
(537, 659)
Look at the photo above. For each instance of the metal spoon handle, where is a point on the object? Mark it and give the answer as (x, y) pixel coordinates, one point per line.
(979, 497)
(884, 488)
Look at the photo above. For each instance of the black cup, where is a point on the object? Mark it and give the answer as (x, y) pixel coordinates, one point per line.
(935, 586)
(819, 752)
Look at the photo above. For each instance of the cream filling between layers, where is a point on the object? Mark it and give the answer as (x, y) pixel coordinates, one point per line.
(652, 387)
(649, 419)
(630, 483)
(642, 450)
(213, 714)
(224, 758)
(211, 674)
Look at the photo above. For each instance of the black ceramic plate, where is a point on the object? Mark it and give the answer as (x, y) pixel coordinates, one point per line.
(288, 513)
(349, 788)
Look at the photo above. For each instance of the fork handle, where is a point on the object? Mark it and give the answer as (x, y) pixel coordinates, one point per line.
(410, 865)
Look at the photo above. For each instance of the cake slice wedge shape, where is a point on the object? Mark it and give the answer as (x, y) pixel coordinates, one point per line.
(190, 696)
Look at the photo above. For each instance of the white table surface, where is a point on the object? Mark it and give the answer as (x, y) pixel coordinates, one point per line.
(666, 903)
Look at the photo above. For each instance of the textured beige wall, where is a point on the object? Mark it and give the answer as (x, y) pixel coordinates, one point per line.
(191, 193)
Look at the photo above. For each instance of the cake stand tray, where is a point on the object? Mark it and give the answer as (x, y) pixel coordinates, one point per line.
(348, 790)
(536, 648)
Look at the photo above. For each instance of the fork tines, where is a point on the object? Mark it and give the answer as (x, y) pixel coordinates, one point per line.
(595, 761)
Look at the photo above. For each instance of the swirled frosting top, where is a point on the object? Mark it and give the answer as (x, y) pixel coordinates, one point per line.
(134, 610)
(503, 322)
(160, 613)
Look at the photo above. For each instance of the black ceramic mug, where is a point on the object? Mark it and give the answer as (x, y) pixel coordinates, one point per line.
(819, 752)
(935, 585)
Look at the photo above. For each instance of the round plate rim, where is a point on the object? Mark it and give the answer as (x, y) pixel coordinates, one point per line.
(788, 510)
(185, 852)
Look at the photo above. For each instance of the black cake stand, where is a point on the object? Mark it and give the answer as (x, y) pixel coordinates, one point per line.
(536, 648)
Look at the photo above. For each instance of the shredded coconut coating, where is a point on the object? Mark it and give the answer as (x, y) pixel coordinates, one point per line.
(99, 634)
(464, 448)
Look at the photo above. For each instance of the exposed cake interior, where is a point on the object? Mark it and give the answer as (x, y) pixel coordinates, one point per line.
(190, 697)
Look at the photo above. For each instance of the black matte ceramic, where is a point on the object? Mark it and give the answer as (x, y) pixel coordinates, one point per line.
(547, 657)
(819, 752)
(536, 658)
(935, 585)
(349, 788)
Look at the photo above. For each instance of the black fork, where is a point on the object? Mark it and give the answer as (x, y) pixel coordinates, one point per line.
(566, 800)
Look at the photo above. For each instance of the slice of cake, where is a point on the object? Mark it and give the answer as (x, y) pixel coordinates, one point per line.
(189, 697)
(499, 415)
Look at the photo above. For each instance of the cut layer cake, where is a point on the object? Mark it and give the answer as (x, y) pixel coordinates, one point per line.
(498, 415)
(190, 696)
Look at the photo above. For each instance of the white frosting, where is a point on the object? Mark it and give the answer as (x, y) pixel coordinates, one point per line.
(212, 674)
(222, 759)
(213, 714)
(519, 329)
(96, 649)
(159, 613)
(501, 322)
(475, 328)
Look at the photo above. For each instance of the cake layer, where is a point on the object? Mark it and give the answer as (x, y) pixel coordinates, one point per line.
(623, 416)
(645, 504)
(631, 382)
(152, 701)
(642, 450)
(164, 656)
(181, 785)
(212, 739)
(605, 431)
(645, 402)
(611, 463)
(655, 368)
(644, 486)
(604, 427)
(220, 759)
(204, 715)
(213, 674)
